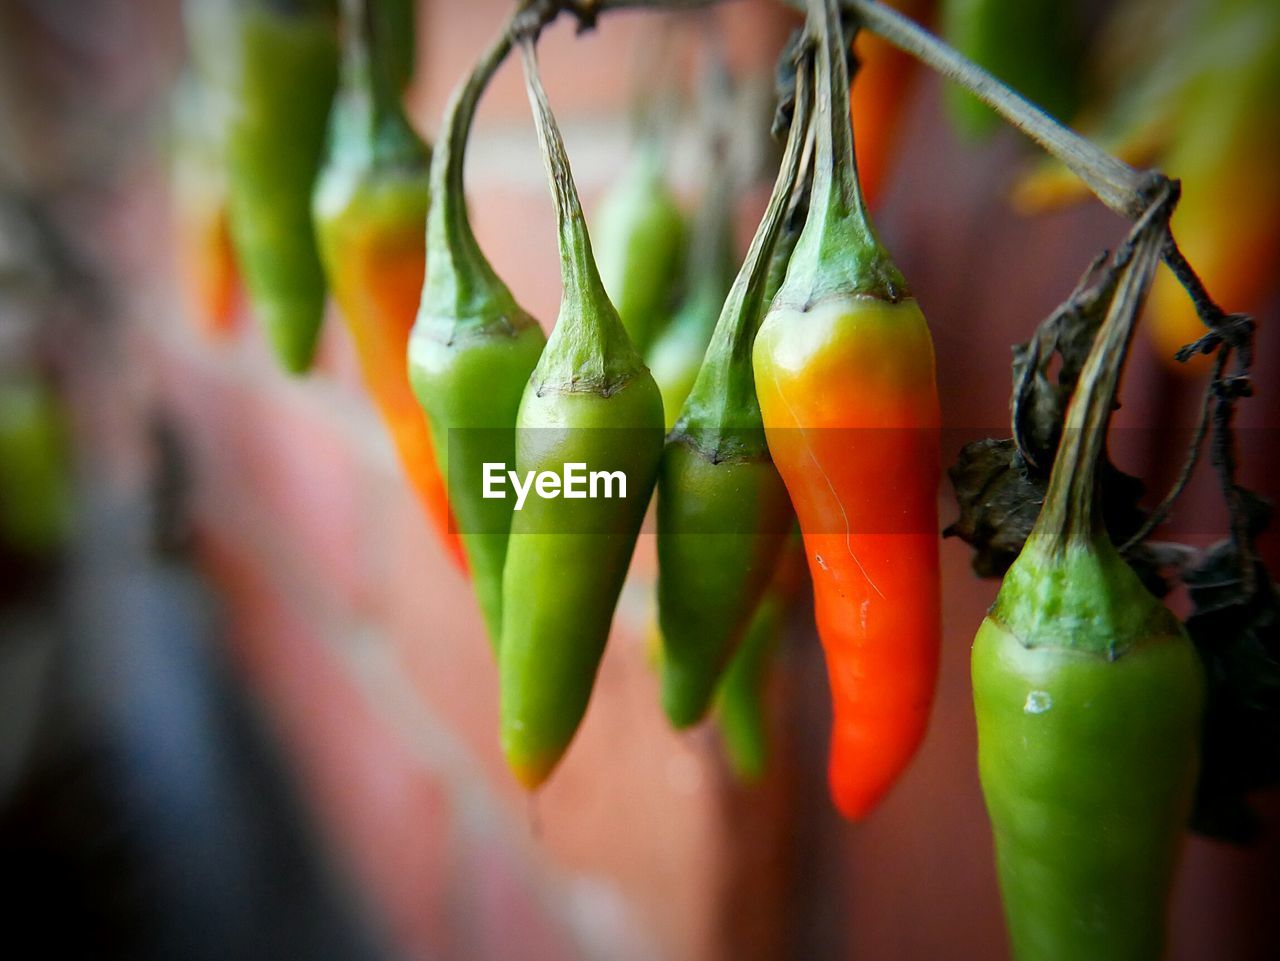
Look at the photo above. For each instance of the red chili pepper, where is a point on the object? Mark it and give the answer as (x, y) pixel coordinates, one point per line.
(845, 377)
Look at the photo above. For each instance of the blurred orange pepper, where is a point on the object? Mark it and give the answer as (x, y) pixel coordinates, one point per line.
(880, 89)
(206, 259)
(1227, 154)
(370, 209)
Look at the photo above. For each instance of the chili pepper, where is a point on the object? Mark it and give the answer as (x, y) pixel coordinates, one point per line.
(676, 354)
(1088, 696)
(723, 512)
(36, 496)
(880, 88)
(285, 73)
(740, 708)
(370, 211)
(591, 400)
(471, 354)
(206, 260)
(640, 238)
(1034, 46)
(400, 40)
(845, 376)
(1226, 152)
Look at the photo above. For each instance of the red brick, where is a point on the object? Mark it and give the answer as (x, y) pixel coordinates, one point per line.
(508, 920)
(388, 815)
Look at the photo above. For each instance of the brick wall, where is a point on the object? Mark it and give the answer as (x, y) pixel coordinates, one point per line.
(347, 619)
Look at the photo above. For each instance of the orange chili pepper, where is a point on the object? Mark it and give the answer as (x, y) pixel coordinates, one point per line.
(206, 258)
(370, 209)
(880, 89)
(845, 378)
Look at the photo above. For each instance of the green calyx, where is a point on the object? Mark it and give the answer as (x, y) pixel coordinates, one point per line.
(722, 414)
(838, 251)
(1079, 596)
(368, 128)
(1070, 587)
(589, 350)
(463, 296)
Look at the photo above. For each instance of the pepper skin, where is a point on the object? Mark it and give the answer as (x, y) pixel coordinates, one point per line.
(285, 73)
(723, 512)
(740, 708)
(639, 235)
(844, 372)
(370, 210)
(471, 354)
(591, 400)
(206, 260)
(1088, 694)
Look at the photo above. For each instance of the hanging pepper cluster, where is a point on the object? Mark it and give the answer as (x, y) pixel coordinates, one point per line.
(790, 420)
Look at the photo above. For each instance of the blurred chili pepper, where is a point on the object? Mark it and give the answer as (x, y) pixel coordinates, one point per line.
(1202, 110)
(1034, 46)
(723, 512)
(639, 232)
(36, 497)
(1226, 152)
(591, 401)
(283, 75)
(1088, 695)
(845, 376)
(206, 260)
(471, 354)
(878, 97)
(676, 354)
(370, 210)
(740, 709)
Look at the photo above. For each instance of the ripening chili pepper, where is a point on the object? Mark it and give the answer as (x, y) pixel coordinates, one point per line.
(370, 211)
(285, 70)
(1034, 46)
(723, 512)
(676, 353)
(880, 88)
(1088, 694)
(1226, 152)
(845, 376)
(206, 260)
(590, 401)
(740, 708)
(471, 354)
(639, 233)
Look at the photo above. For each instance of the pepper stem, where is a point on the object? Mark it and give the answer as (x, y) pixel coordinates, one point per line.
(722, 413)
(460, 275)
(838, 250)
(1071, 515)
(579, 273)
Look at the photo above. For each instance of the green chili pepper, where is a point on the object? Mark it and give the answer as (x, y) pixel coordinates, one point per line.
(739, 707)
(1088, 695)
(592, 401)
(723, 511)
(676, 353)
(1034, 46)
(471, 353)
(36, 497)
(400, 40)
(283, 77)
(640, 239)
